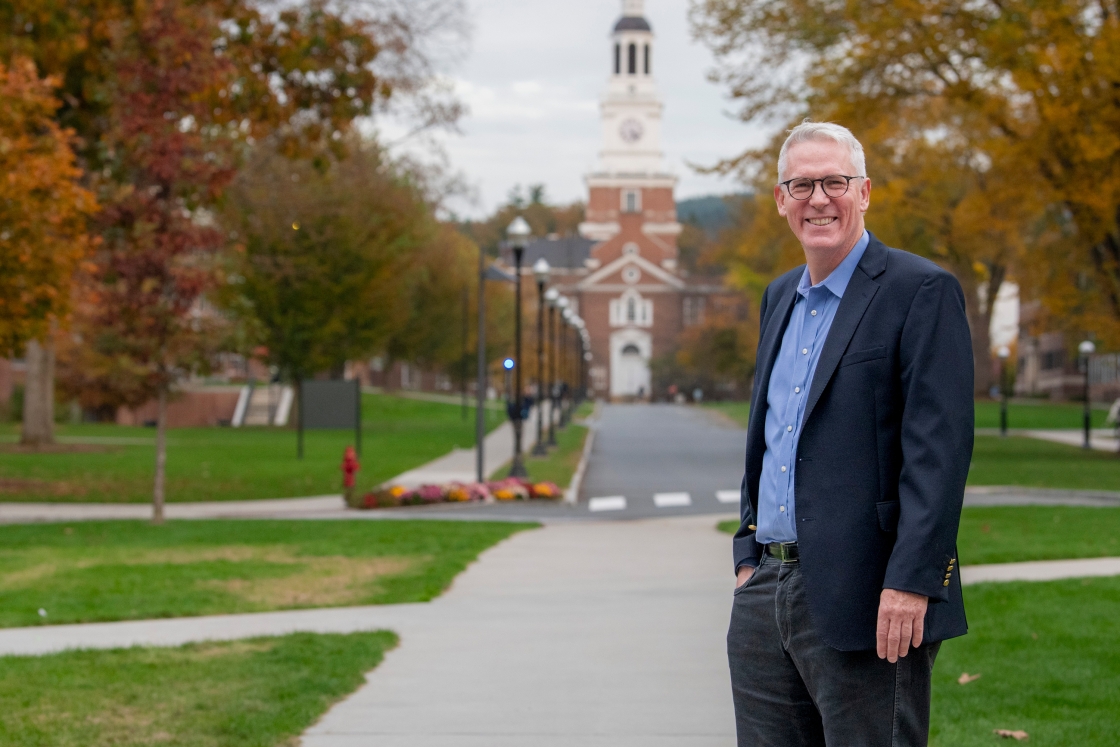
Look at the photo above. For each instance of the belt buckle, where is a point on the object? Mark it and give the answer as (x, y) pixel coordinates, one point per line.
(784, 551)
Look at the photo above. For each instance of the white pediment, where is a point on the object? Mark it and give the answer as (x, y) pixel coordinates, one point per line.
(637, 260)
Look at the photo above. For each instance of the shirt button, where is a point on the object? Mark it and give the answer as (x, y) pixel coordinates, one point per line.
(783, 468)
(804, 351)
(789, 428)
(813, 312)
(782, 509)
(796, 390)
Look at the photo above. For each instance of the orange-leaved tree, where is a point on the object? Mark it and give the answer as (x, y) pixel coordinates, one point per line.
(43, 236)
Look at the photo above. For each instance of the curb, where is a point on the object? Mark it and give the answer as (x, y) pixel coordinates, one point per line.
(571, 495)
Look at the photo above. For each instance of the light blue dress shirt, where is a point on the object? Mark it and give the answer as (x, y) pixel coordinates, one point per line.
(790, 380)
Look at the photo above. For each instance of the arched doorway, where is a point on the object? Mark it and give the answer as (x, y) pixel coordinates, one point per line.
(630, 354)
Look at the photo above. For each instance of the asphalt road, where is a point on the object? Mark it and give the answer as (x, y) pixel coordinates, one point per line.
(657, 456)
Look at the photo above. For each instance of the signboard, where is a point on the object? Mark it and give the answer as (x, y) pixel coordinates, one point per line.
(330, 404)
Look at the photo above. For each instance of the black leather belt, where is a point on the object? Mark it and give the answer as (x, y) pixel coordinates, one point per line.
(783, 551)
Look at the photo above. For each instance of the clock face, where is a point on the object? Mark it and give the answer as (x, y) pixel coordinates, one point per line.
(631, 130)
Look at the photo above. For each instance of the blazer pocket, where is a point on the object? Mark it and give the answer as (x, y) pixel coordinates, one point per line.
(862, 356)
(888, 515)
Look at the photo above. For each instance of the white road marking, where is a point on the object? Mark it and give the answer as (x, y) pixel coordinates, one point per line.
(727, 496)
(669, 500)
(607, 503)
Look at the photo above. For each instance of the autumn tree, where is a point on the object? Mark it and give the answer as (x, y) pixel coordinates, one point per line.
(323, 252)
(43, 214)
(991, 127)
(544, 217)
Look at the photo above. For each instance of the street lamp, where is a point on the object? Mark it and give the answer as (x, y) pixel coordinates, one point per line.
(518, 233)
(1004, 353)
(1086, 349)
(540, 271)
(551, 297)
(566, 404)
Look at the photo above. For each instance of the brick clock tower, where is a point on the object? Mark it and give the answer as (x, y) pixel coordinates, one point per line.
(621, 272)
(631, 298)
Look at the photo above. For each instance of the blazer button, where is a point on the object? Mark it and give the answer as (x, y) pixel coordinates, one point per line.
(752, 527)
(946, 583)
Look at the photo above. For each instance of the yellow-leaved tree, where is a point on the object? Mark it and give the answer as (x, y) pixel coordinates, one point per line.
(43, 236)
(992, 129)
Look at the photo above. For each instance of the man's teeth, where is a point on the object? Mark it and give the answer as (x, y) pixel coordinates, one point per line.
(821, 221)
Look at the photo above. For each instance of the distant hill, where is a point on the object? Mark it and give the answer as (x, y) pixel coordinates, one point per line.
(712, 213)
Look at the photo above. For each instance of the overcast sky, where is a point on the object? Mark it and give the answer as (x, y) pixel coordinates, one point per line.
(532, 79)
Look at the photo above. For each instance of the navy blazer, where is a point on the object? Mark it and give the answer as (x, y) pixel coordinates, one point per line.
(885, 446)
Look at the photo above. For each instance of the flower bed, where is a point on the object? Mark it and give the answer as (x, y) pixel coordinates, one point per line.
(509, 489)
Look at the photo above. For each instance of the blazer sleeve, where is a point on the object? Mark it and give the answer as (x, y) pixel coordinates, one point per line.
(937, 431)
(744, 548)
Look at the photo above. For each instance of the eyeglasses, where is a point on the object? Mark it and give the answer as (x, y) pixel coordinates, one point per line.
(834, 185)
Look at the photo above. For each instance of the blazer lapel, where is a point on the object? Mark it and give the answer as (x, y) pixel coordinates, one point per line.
(771, 343)
(857, 296)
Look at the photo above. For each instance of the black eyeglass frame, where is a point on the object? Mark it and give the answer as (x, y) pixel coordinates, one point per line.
(847, 186)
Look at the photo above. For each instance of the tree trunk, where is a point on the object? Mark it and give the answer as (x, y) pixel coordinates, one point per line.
(979, 325)
(38, 395)
(161, 457)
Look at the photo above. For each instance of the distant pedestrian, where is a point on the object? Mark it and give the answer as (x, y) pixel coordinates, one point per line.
(350, 467)
(858, 446)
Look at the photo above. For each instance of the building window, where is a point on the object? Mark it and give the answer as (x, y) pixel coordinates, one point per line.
(693, 310)
(631, 349)
(631, 309)
(647, 59)
(632, 55)
(617, 59)
(631, 275)
(631, 200)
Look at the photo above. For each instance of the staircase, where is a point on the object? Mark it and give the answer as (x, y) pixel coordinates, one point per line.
(263, 404)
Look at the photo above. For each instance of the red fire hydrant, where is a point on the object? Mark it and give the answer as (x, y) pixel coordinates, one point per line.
(350, 466)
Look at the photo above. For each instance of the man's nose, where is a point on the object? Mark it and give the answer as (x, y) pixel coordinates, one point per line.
(819, 199)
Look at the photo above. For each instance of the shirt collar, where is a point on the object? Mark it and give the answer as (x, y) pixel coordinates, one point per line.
(837, 281)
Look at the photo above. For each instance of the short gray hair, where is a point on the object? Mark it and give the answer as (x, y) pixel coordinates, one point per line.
(808, 131)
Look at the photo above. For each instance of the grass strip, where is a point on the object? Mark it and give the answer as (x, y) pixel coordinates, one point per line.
(115, 463)
(559, 465)
(121, 570)
(1012, 534)
(1041, 464)
(260, 692)
(1048, 663)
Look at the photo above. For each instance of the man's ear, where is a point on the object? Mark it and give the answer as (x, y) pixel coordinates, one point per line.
(780, 198)
(865, 195)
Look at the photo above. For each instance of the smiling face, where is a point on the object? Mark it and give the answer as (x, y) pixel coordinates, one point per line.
(827, 227)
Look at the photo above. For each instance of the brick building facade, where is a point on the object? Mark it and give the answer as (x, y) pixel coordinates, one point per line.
(621, 274)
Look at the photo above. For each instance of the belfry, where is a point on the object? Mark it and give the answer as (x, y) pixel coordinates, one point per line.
(621, 272)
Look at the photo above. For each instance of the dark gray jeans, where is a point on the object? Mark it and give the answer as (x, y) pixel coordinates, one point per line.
(792, 690)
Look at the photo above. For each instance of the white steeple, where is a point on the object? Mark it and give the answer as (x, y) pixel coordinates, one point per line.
(631, 107)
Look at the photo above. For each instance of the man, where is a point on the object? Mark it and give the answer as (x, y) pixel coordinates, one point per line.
(858, 446)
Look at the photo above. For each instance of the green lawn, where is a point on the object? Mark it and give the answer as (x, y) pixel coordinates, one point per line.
(1048, 661)
(210, 464)
(1009, 534)
(1006, 534)
(739, 412)
(1032, 414)
(120, 570)
(560, 465)
(1041, 464)
(260, 692)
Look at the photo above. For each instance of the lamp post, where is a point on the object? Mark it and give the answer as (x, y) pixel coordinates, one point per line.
(1004, 353)
(1086, 349)
(566, 405)
(518, 232)
(551, 297)
(540, 271)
